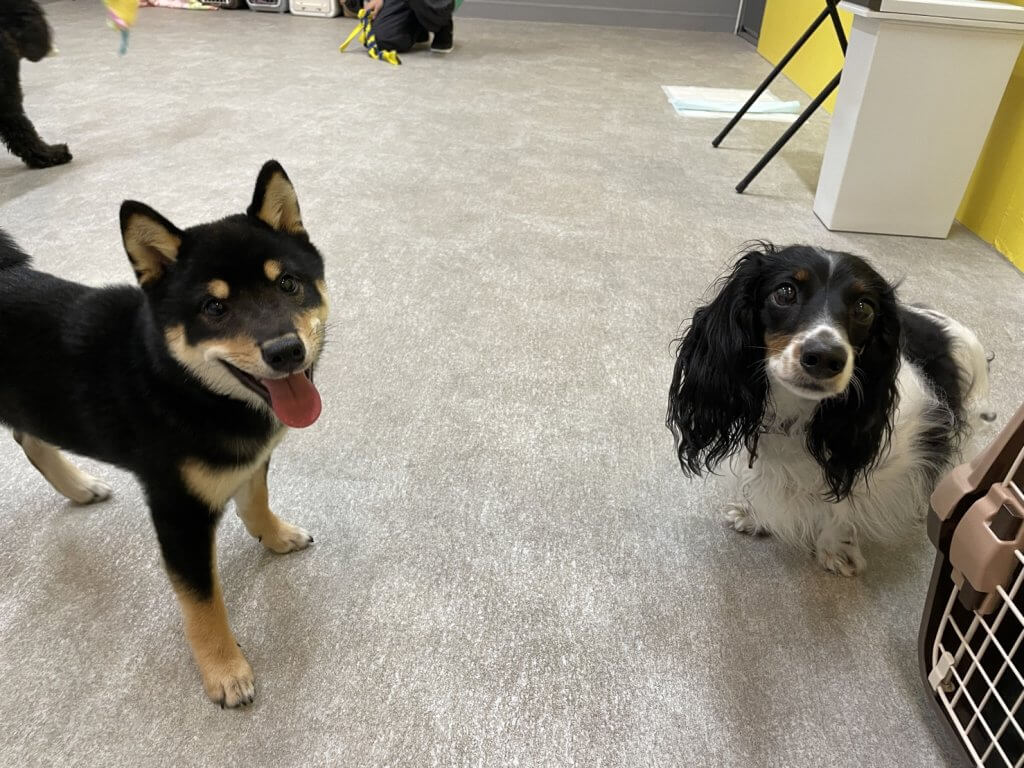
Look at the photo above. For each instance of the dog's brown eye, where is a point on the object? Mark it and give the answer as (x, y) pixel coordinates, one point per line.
(214, 308)
(785, 294)
(288, 284)
(863, 312)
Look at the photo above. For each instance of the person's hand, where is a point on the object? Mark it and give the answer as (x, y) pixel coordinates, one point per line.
(373, 7)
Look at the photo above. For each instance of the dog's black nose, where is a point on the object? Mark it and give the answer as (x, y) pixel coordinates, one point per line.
(285, 354)
(822, 359)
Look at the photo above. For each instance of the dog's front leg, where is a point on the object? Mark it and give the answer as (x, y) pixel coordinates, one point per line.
(16, 130)
(21, 138)
(186, 528)
(252, 503)
(741, 517)
(740, 514)
(835, 546)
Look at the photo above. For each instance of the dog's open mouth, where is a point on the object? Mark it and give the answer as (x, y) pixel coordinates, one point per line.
(294, 398)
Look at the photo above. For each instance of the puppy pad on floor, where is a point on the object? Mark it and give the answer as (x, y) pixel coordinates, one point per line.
(695, 101)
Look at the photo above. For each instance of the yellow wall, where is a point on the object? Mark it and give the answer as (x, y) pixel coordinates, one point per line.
(819, 59)
(993, 206)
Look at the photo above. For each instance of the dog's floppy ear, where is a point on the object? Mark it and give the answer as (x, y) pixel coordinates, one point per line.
(274, 201)
(716, 401)
(151, 241)
(848, 434)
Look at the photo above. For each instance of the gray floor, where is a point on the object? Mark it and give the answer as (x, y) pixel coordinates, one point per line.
(509, 568)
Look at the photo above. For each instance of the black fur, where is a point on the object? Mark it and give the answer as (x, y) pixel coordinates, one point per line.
(24, 33)
(928, 346)
(90, 370)
(10, 254)
(719, 395)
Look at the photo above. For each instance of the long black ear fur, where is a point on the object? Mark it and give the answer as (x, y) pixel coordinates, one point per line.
(716, 401)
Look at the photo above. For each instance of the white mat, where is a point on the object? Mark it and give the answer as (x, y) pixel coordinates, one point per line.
(727, 102)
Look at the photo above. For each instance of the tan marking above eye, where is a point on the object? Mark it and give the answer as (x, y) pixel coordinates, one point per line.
(776, 343)
(218, 289)
(272, 269)
(802, 275)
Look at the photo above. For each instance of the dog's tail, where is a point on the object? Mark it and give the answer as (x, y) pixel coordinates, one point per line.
(10, 254)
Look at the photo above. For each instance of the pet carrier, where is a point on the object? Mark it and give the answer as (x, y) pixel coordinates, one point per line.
(324, 8)
(972, 633)
(274, 6)
(230, 4)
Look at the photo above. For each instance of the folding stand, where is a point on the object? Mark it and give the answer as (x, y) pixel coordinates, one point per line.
(828, 12)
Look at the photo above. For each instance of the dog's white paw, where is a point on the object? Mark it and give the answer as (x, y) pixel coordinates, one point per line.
(842, 557)
(65, 477)
(286, 538)
(740, 517)
(88, 490)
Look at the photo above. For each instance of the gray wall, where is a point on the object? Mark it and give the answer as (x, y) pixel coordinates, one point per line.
(714, 15)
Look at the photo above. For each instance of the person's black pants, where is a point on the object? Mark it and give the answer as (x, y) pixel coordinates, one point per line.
(403, 23)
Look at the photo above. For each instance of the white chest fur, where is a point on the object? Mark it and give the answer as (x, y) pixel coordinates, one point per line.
(785, 490)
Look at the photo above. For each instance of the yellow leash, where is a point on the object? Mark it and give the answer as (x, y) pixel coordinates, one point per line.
(364, 31)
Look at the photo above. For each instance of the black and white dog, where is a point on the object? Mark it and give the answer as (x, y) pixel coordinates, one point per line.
(835, 406)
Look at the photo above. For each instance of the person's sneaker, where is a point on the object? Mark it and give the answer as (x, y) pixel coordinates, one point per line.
(422, 36)
(443, 41)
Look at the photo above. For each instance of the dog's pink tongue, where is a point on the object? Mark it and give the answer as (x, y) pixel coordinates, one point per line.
(295, 400)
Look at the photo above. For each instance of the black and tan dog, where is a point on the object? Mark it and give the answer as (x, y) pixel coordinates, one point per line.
(188, 381)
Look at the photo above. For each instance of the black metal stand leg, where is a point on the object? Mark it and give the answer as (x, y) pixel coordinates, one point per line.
(837, 23)
(829, 9)
(789, 132)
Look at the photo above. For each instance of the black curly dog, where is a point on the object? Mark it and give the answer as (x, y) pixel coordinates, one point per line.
(24, 33)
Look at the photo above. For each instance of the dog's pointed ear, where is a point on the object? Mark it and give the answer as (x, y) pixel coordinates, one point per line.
(274, 201)
(151, 241)
(717, 398)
